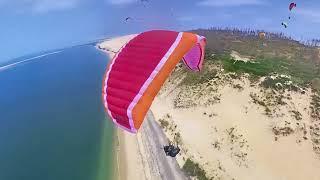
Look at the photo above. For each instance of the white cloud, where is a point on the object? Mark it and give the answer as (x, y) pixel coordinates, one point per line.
(48, 5)
(39, 6)
(121, 2)
(224, 3)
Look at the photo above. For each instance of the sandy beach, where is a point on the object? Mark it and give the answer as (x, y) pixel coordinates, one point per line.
(224, 127)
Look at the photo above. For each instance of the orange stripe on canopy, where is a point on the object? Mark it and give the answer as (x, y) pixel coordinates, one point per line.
(140, 69)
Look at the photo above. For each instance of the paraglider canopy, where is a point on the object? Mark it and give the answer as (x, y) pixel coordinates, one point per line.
(292, 5)
(140, 68)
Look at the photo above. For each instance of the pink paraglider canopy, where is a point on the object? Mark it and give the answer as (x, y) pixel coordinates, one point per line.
(140, 68)
(292, 5)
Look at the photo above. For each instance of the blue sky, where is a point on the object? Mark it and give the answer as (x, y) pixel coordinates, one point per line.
(30, 26)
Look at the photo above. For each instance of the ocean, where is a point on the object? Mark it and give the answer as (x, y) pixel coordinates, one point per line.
(52, 121)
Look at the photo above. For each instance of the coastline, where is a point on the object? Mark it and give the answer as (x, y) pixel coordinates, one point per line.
(119, 156)
(110, 47)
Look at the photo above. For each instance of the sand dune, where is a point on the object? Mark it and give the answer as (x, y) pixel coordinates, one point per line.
(234, 138)
(227, 130)
(113, 45)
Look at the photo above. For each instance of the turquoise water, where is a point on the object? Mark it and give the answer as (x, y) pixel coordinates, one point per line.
(52, 121)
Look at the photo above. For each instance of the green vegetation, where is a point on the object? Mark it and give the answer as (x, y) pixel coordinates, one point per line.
(276, 55)
(238, 86)
(301, 72)
(260, 67)
(194, 170)
(168, 116)
(316, 84)
(315, 137)
(268, 101)
(256, 100)
(279, 83)
(204, 76)
(284, 131)
(297, 115)
(315, 107)
(177, 138)
(247, 43)
(163, 123)
(216, 145)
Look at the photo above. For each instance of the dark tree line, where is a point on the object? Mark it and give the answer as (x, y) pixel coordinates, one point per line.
(311, 43)
(250, 33)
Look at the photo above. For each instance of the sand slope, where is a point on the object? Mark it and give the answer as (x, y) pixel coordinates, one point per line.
(233, 138)
(223, 127)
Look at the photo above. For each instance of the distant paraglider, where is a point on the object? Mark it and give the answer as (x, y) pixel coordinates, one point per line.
(292, 5)
(284, 24)
(128, 18)
(262, 35)
(133, 19)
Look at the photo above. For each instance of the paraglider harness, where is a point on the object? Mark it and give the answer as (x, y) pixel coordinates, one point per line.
(171, 150)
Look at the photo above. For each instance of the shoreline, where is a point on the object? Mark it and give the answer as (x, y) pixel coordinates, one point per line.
(115, 155)
(119, 155)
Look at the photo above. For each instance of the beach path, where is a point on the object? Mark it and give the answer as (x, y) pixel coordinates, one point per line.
(141, 156)
(153, 140)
